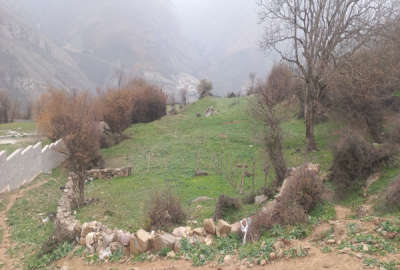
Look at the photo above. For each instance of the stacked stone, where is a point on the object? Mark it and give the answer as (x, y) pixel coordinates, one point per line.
(109, 173)
(67, 227)
(99, 239)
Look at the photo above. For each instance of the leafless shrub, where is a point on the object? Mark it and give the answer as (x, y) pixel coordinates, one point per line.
(184, 96)
(71, 116)
(5, 106)
(204, 88)
(274, 91)
(164, 210)
(300, 193)
(355, 160)
(149, 101)
(224, 205)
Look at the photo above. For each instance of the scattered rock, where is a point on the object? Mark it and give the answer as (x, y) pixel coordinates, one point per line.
(365, 247)
(331, 241)
(208, 240)
(90, 240)
(123, 237)
(260, 199)
(228, 259)
(165, 240)
(363, 211)
(279, 253)
(143, 239)
(272, 256)
(105, 253)
(210, 111)
(199, 231)
(223, 228)
(235, 228)
(209, 226)
(278, 245)
(177, 246)
(201, 173)
(182, 232)
(171, 254)
(114, 246)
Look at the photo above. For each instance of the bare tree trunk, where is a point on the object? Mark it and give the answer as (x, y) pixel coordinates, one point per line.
(81, 200)
(309, 115)
(78, 181)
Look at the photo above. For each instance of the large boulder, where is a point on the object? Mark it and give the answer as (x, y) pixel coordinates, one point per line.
(235, 228)
(140, 242)
(199, 231)
(209, 226)
(162, 241)
(182, 232)
(223, 228)
(88, 227)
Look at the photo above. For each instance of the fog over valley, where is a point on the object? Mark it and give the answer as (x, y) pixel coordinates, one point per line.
(90, 44)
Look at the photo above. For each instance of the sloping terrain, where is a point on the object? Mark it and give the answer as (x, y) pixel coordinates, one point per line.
(30, 62)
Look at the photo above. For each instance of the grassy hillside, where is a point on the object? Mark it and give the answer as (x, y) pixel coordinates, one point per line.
(178, 145)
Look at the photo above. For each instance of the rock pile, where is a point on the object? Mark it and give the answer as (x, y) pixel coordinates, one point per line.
(210, 111)
(67, 227)
(108, 173)
(99, 239)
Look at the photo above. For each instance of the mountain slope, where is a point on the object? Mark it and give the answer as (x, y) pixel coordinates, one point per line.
(30, 62)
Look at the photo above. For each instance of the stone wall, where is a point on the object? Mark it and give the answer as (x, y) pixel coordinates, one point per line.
(108, 173)
(24, 165)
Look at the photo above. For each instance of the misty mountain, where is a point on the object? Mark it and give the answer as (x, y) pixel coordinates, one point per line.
(30, 62)
(162, 40)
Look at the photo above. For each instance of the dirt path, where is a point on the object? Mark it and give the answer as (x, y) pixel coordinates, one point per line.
(342, 212)
(5, 261)
(315, 260)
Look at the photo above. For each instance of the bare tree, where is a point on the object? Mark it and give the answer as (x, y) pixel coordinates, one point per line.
(319, 33)
(184, 96)
(252, 81)
(204, 88)
(5, 106)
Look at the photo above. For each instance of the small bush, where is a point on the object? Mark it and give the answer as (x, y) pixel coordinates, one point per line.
(391, 198)
(149, 102)
(115, 105)
(299, 194)
(231, 95)
(355, 160)
(224, 205)
(164, 211)
(204, 88)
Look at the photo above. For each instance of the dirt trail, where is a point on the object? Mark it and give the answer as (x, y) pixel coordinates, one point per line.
(315, 260)
(342, 212)
(5, 261)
